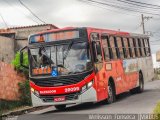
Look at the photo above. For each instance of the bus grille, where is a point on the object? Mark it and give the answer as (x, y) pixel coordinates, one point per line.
(50, 98)
(59, 81)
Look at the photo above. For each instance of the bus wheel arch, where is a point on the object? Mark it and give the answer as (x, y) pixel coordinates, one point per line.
(140, 87)
(111, 89)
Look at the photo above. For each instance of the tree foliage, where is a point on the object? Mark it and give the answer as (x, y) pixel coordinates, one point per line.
(17, 65)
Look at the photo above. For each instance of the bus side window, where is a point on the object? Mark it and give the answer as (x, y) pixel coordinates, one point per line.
(96, 45)
(129, 47)
(132, 47)
(120, 47)
(126, 49)
(137, 47)
(97, 51)
(147, 49)
(112, 47)
(142, 47)
(106, 52)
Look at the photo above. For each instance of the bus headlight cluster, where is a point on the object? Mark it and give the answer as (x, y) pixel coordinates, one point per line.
(35, 92)
(87, 86)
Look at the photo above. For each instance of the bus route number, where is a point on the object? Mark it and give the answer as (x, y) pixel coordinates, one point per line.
(72, 89)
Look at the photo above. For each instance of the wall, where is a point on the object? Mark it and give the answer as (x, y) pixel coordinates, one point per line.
(158, 56)
(6, 49)
(156, 64)
(9, 80)
(22, 34)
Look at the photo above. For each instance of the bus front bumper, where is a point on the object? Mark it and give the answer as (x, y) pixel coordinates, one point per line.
(87, 96)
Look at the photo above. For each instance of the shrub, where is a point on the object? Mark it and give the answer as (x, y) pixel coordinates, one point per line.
(25, 96)
(16, 62)
(8, 105)
(157, 111)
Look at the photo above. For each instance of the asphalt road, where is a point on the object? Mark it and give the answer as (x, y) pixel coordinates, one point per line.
(126, 103)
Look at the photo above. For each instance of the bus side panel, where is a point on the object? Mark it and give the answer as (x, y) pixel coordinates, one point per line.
(103, 75)
(130, 67)
(117, 73)
(146, 66)
(101, 86)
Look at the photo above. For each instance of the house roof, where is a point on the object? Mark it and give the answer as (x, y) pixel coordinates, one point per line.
(9, 30)
(21, 27)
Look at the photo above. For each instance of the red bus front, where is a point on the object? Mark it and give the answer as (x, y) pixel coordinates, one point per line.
(61, 68)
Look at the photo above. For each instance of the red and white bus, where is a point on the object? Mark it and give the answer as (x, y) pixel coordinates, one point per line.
(78, 65)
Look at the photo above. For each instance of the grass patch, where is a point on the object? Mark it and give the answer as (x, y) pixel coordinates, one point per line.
(157, 111)
(8, 105)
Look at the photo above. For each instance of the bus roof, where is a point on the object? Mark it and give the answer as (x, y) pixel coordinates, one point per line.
(91, 29)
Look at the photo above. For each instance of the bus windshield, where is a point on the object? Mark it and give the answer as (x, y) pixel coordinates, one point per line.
(69, 58)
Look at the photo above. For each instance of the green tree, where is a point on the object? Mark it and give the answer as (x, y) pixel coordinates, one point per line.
(16, 63)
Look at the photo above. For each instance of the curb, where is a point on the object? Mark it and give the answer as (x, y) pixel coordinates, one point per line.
(22, 111)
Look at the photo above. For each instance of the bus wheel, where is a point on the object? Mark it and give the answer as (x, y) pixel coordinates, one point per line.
(111, 93)
(60, 107)
(140, 88)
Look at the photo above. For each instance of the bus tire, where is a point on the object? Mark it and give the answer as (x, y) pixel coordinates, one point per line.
(111, 92)
(140, 88)
(60, 107)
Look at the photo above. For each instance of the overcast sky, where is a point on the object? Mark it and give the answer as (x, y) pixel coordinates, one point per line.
(64, 13)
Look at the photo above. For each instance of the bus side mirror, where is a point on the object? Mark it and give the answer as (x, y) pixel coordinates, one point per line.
(21, 57)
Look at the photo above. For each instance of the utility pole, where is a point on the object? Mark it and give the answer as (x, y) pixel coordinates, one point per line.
(143, 20)
(143, 24)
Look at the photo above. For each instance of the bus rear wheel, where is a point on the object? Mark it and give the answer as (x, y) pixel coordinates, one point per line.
(111, 93)
(60, 107)
(140, 88)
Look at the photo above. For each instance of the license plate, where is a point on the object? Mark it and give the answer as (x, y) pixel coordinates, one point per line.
(59, 99)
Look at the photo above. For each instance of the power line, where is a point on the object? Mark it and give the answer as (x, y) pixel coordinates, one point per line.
(9, 4)
(5, 23)
(133, 5)
(31, 11)
(97, 5)
(139, 5)
(143, 3)
(121, 7)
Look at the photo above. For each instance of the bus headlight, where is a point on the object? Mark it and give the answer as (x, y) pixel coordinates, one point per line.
(35, 92)
(32, 90)
(90, 84)
(87, 86)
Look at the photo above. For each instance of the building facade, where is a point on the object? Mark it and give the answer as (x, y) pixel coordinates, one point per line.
(13, 39)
